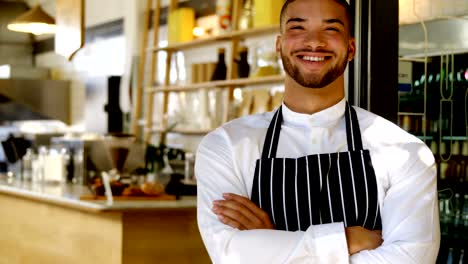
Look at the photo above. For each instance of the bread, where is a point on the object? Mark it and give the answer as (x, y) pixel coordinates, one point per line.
(152, 188)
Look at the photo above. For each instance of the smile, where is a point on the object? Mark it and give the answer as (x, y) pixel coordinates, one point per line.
(311, 58)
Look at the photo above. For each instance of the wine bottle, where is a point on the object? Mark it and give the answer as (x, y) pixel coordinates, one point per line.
(459, 128)
(220, 71)
(462, 256)
(450, 256)
(444, 166)
(464, 162)
(464, 214)
(243, 67)
(454, 166)
(457, 224)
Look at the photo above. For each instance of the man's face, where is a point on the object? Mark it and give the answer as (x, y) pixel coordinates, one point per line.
(315, 45)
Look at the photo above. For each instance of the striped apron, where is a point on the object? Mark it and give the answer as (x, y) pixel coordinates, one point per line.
(317, 189)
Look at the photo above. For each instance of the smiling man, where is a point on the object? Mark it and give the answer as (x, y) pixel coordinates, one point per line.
(317, 180)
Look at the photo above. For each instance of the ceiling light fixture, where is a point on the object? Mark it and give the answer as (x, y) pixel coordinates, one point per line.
(35, 21)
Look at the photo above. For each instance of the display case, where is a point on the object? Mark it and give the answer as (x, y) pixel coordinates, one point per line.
(433, 105)
(434, 109)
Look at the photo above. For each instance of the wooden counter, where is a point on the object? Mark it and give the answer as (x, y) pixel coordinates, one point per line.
(48, 224)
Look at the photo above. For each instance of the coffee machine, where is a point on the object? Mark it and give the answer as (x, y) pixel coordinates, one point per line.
(89, 156)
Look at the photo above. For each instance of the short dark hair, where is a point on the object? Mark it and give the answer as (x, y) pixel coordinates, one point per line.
(343, 3)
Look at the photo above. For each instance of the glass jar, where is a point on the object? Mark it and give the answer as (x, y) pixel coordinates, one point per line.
(26, 168)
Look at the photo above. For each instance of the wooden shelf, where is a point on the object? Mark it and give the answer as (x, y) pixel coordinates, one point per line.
(217, 84)
(214, 39)
(148, 67)
(410, 114)
(192, 132)
(454, 138)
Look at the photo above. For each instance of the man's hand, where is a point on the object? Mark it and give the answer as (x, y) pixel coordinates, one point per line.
(359, 238)
(241, 213)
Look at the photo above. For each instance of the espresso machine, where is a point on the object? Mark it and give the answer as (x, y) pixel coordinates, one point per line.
(92, 155)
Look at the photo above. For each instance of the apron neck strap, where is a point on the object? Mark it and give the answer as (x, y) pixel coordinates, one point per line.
(353, 132)
(272, 137)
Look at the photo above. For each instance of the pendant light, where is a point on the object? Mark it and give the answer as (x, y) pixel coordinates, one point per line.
(35, 21)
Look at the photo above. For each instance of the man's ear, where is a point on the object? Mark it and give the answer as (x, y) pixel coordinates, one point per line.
(278, 45)
(351, 49)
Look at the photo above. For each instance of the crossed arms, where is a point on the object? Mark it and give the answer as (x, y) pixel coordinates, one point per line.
(235, 232)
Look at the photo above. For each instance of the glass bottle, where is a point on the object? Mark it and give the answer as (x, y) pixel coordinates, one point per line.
(243, 67)
(38, 165)
(464, 162)
(450, 256)
(223, 11)
(443, 164)
(78, 173)
(465, 214)
(245, 19)
(446, 218)
(457, 215)
(220, 71)
(27, 164)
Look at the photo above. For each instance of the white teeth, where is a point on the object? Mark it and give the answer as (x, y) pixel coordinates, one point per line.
(313, 58)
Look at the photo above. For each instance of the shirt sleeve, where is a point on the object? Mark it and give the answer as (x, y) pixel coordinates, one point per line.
(410, 216)
(216, 174)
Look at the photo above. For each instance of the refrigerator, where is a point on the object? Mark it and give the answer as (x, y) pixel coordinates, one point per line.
(412, 69)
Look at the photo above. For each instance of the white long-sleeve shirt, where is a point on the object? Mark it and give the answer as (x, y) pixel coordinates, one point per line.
(406, 180)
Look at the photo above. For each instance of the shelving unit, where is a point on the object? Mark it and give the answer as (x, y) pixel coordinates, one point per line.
(149, 90)
(239, 34)
(241, 82)
(446, 134)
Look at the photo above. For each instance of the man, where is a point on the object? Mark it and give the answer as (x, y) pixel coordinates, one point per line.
(316, 181)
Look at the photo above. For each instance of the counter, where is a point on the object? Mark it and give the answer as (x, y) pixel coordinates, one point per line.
(48, 223)
(68, 195)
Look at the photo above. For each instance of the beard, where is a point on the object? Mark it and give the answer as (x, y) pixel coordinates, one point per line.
(315, 80)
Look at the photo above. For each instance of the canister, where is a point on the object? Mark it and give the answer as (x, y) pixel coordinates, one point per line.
(224, 13)
(267, 12)
(180, 24)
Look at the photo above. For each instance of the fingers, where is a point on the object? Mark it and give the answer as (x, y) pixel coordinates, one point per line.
(239, 212)
(359, 238)
(264, 217)
(231, 222)
(258, 212)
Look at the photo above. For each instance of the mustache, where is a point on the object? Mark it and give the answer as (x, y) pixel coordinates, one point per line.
(312, 50)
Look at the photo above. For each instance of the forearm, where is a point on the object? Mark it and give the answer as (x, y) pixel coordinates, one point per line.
(319, 244)
(420, 253)
(410, 218)
(417, 248)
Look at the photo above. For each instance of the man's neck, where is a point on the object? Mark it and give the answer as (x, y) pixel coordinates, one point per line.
(312, 100)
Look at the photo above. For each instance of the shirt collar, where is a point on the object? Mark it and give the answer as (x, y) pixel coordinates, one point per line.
(324, 118)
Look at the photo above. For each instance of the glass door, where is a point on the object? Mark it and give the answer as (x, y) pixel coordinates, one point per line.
(433, 105)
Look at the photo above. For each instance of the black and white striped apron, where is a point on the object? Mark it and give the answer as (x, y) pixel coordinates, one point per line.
(317, 189)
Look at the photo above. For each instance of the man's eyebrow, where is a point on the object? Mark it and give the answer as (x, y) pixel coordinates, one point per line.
(295, 19)
(334, 20)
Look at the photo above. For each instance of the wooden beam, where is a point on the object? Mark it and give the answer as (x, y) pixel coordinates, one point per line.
(154, 69)
(141, 71)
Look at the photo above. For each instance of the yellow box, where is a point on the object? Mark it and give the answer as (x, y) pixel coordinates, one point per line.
(180, 25)
(267, 12)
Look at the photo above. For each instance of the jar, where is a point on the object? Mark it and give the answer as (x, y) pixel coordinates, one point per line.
(224, 13)
(26, 168)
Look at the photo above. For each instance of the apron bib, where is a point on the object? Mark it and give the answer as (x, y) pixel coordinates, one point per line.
(317, 189)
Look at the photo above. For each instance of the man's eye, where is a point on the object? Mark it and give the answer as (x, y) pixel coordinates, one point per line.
(333, 29)
(296, 27)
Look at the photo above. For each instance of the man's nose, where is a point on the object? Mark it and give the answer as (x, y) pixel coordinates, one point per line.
(314, 40)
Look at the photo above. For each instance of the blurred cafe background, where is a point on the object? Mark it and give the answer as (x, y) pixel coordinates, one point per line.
(103, 104)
